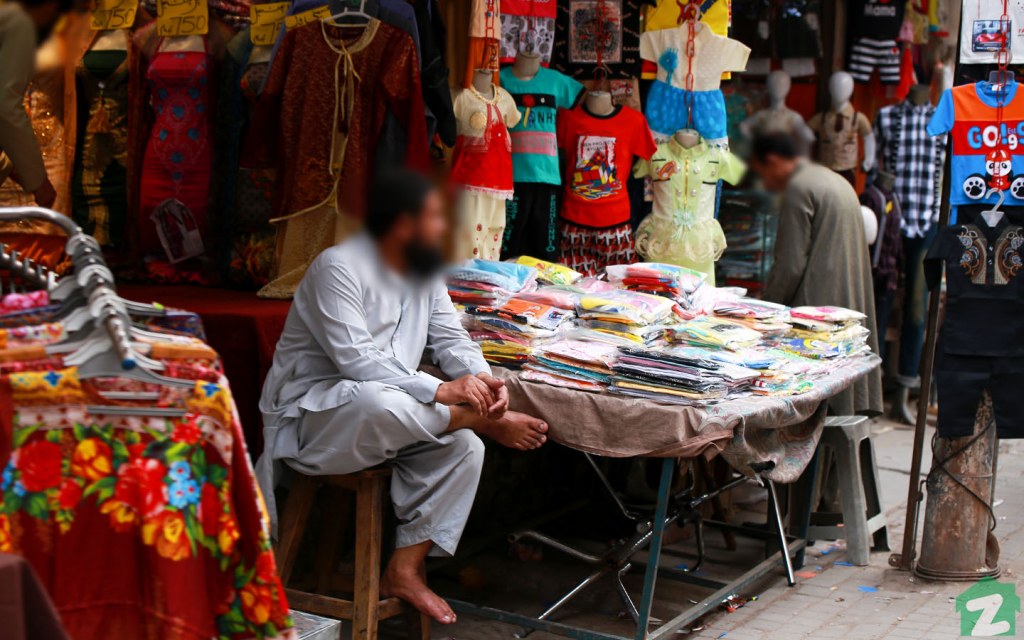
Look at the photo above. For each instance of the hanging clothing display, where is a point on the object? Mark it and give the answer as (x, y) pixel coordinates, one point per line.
(669, 14)
(351, 76)
(178, 162)
(983, 261)
(682, 228)
(981, 35)
(984, 157)
(838, 134)
(598, 35)
(100, 182)
(527, 26)
(531, 216)
(17, 140)
(482, 170)
(599, 153)
(686, 91)
(796, 33)
(874, 30)
(916, 158)
(484, 38)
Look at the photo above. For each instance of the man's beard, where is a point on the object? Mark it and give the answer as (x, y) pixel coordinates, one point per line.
(423, 260)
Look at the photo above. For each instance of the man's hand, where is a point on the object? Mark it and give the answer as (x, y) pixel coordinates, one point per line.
(469, 390)
(45, 194)
(500, 406)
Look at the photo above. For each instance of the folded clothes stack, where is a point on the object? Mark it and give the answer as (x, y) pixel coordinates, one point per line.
(678, 283)
(767, 318)
(720, 333)
(550, 272)
(507, 333)
(488, 282)
(576, 364)
(673, 377)
(625, 317)
(825, 333)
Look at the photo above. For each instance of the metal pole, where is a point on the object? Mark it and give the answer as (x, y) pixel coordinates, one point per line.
(959, 495)
(668, 467)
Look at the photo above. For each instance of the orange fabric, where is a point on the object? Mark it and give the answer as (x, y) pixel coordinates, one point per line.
(47, 250)
(484, 53)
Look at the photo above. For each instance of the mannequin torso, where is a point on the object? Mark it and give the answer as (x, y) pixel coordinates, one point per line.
(599, 103)
(526, 66)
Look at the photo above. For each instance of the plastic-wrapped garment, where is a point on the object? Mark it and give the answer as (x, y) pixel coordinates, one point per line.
(627, 307)
(509, 276)
(717, 332)
(555, 296)
(550, 272)
(524, 312)
(827, 314)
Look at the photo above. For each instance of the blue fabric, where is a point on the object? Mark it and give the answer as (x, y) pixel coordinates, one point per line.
(668, 111)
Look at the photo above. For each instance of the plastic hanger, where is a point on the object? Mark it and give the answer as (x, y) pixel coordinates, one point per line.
(348, 10)
(994, 215)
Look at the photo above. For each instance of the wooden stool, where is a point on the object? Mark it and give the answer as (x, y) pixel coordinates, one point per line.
(366, 608)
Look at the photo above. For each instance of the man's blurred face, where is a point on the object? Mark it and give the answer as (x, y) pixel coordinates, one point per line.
(423, 234)
(774, 171)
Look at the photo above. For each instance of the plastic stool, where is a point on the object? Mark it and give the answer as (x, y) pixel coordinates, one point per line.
(862, 517)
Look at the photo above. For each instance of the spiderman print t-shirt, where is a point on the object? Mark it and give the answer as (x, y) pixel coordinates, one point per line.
(986, 156)
(599, 153)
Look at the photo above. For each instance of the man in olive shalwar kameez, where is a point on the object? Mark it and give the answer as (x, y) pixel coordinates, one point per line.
(821, 254)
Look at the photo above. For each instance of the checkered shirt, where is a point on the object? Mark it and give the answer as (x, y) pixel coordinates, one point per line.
(915, 158)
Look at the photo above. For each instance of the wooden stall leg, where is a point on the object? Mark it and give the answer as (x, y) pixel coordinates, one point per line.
(369, 514)
(293, 524)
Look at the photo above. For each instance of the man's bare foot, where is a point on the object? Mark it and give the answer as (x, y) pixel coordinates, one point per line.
(410, 586)
(517, 431)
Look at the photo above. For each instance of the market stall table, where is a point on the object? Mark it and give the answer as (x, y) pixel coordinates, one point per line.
(775, 436)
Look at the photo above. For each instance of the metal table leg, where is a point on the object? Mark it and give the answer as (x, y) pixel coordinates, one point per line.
(668, 467)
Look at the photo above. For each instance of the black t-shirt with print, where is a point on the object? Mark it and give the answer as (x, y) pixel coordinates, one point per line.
(984, 283)
(875, 19)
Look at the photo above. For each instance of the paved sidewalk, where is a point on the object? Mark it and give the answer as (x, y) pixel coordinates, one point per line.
(835, 600)
(832, 599)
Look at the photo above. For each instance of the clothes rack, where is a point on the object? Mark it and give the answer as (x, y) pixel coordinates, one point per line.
(91, 275)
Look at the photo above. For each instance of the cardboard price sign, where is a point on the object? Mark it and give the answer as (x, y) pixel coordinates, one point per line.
(306, 17)
(182, 18)
(265, 22)
(113, 14)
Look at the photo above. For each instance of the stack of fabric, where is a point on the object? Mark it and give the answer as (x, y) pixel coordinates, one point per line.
(767, 318)
(507, 333)
(675, 282)
(677, 378)
(716, 333)
(625, 317)
(825, 333)
(551, 272)
(487, 282)
(576, 364)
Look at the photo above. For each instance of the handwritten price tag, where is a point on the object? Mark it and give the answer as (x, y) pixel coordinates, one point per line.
(113, 14)
(182, 18)
(306, 17)
(265, 22)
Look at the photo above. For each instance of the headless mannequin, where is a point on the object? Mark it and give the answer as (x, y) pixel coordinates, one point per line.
(483, 82)
(840, 86)
(526, 65)
(779, 83)
(687, 138)
(920, 95)
(182, 44)
(599, 103)
(110, 40)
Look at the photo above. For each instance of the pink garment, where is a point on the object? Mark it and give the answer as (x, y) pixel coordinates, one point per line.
(21, 301)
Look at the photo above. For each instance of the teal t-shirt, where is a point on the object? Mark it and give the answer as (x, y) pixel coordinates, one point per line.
(534, 142)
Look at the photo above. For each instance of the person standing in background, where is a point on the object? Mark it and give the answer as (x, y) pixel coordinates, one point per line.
(821, 252)
(23, 24)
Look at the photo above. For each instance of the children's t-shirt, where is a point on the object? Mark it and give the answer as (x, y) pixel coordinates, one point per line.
(534, 139)
(876, 19)
(713, 54)
(984, 155)
(599, 157)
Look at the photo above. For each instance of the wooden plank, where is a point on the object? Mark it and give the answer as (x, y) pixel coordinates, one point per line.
(293, 524)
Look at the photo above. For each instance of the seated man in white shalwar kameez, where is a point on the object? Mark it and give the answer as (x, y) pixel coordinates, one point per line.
(344, 393)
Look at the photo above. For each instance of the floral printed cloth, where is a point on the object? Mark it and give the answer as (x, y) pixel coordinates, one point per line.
(139, 526)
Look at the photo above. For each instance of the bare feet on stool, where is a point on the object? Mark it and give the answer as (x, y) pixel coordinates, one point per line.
(404, 578)
(517, 431)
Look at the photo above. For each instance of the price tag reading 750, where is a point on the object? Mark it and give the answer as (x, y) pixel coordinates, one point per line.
(113, 14)
(182, 18)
